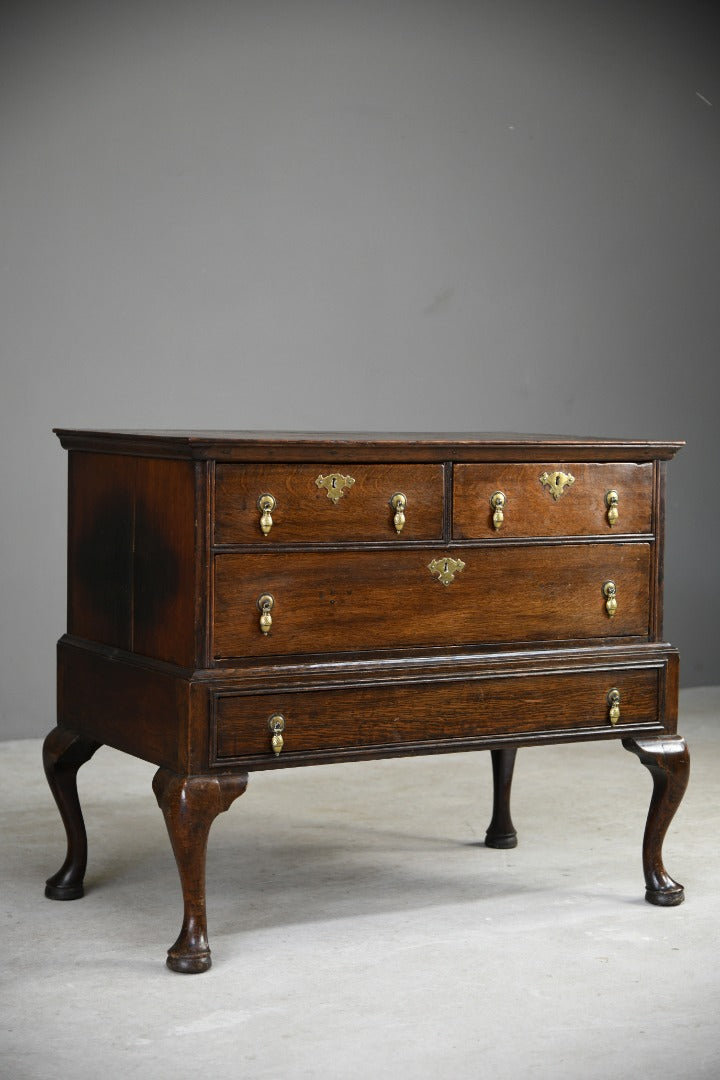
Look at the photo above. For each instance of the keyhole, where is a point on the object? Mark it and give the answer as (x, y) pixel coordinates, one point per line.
(333, 483)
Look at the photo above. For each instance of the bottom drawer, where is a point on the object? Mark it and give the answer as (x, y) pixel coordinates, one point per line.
(423, 715)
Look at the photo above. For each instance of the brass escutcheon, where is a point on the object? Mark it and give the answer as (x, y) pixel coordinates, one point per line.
(610, 594)
(497, 502)
(556, 482)
(335, 484)
(276, 723)
(446, 568)
(398, 502)
(266, 603)
(611, 501)
(613, 700)
(265, 504)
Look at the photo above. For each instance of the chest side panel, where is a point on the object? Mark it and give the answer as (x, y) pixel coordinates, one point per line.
(101, 515)
(164, 561)
(131, 554)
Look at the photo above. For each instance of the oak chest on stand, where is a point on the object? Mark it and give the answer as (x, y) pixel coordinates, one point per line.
(246, 600)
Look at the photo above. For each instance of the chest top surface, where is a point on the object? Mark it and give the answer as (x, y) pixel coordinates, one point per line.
(364, 446)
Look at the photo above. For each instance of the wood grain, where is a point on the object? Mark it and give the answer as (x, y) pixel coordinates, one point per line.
(101, 520)
(164, 585)
(305, 514)
(377, 446)
(456, 709)
(530, 509)
(141, 710)
(131, 555)
(389, 599)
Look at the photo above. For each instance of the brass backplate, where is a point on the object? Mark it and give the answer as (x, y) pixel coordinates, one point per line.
(446, 568)
(557, 482)
(335, 484)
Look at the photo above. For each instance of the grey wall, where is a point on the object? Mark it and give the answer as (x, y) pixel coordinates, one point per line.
(353, 214)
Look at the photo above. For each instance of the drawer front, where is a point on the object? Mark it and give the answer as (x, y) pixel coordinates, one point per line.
(414, 714)
(531, 507)
(347, 601)
(349, 503)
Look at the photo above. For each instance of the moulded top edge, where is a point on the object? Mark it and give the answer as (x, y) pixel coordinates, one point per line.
(368, 445)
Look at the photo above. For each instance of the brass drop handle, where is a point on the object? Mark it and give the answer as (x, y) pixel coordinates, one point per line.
(611, 501)
(276, 723)
(398, 502)
(266, 603)
(613, 700)
(266, 504)
(497, 502)
(610, 594)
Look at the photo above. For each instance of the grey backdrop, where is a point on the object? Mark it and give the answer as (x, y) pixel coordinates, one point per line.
(426, 215)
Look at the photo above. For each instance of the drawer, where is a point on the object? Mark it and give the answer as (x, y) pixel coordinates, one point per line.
(364, 600)
(441, 712)
(327, 503)
(536, 508)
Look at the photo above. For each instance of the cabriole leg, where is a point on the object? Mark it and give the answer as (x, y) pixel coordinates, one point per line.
(63, 754)
(669, 763)
(501, 831)
(190, 804)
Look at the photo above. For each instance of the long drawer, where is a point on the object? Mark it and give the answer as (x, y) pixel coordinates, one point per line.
(459, 710)
(347, 601)
(580, 499)
(327, 503)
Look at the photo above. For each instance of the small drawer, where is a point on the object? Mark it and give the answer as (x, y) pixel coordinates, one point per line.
(411, 714)
(537, 502)
(327, 503)
(385, 599)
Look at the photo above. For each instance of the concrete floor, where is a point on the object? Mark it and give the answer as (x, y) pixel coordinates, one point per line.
(359, 929)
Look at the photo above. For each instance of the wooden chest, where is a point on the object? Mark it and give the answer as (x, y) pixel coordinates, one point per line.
(243, 601)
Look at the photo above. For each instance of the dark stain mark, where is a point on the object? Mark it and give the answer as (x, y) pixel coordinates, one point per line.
(157, 568)
(101, 573)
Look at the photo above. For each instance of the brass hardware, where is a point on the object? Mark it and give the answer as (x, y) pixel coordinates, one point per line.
(557, 482)
(335, 484)
(276, 723)
(610, 594)
(446, 569)
(266, 603)
(611, 501)
(398, 502)
(497, 502)
(613, 700)
(265, 504)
